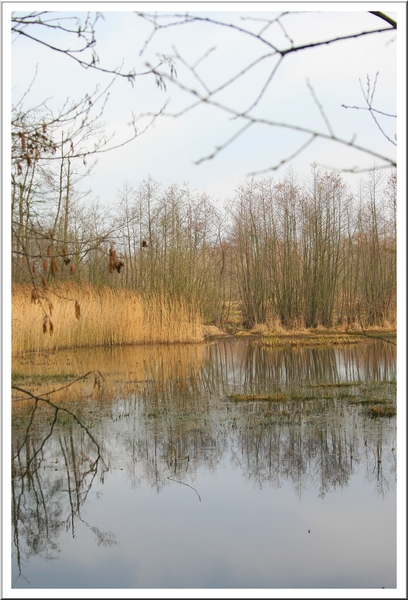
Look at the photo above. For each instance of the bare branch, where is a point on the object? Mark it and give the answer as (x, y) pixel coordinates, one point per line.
(257, 120)
(384, 17)
(208, 94)
(319, 106)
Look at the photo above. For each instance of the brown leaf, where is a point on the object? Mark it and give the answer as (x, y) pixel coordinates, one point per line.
(45, 265)
(51, 307)
(44, 281)
(34, 296)
(72, 269)
(77, 309)
(51, 328)
(45, 325)
(34, 269)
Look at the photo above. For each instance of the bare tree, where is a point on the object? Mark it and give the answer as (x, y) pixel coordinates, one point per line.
(50, 155)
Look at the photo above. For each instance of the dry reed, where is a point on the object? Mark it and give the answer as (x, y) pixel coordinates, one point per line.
(85, 316)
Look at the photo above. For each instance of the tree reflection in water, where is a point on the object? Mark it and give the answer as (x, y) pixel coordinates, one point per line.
(165, 431)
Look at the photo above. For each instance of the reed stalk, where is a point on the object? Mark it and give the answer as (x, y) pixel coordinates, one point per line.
(86, 316)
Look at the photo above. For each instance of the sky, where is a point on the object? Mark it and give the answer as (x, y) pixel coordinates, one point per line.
(305, 85)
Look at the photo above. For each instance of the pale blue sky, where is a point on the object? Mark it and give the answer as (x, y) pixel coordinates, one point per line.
(169, 149)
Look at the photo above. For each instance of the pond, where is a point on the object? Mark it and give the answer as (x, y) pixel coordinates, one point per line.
(221, 465)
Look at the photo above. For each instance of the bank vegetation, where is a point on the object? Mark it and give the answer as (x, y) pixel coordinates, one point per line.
(162, 262)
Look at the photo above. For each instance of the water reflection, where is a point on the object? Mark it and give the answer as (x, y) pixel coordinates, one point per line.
(251, 367)
(165, 417)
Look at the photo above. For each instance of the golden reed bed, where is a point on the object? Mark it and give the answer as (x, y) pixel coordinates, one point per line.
(71, 315)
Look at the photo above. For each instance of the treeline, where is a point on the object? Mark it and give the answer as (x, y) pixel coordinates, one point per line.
(294, 252)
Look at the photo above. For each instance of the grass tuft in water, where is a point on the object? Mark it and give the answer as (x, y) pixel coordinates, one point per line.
(265, 397)
(40, 378)
(381, 411)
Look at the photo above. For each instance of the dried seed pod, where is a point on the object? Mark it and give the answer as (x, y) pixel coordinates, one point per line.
(77, 309)
(23, 141)
(51, 234)
(54, 266)
(44, 281)
(45, 265)
(63, 251)
(45, 325)
(19, 169)
(34, 296)
(48, 250)
(72, 269)
(51, 308)
(51, 328)
(34, 269)
(112, 259)
(28, 158)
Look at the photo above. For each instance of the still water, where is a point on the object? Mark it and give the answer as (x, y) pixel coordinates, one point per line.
(221, 465)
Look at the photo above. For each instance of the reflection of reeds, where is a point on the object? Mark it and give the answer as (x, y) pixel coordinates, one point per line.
(105, 317)
(126, 370)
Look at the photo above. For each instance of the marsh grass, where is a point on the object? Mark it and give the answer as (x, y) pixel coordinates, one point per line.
(310, 339)
(386, 411)
(376, 399)
(23, 378)
(264, 397)
(278, 336)
(290, 395)
(336, 385)
(106, 317)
